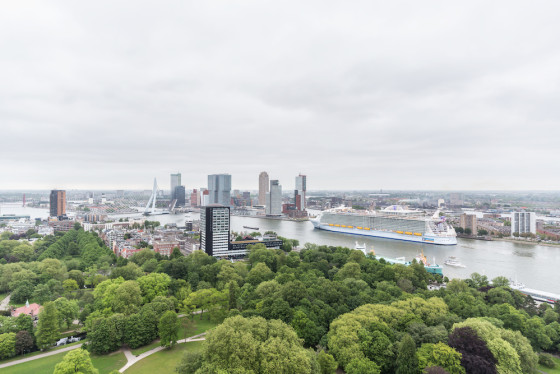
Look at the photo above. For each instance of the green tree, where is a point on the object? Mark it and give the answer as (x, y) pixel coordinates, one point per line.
(327, 363)
(24, 342)
(23, 252)
(168, 328)
(47, 327)
(7, 345)
(349, 270)
(154, 284)
(42, 293)
(78, 276)
(23, 292)
(407, 361)
(190, 362)
(362, 366)
(479, 280)
(128, 298)
(76, 361)
(67, 311)
(24, 322)
(442, 355)
(259, 273)
(258, 253)
(245, 345)
(306, 328)
(134, 335)
(105, 335)
(70, 285)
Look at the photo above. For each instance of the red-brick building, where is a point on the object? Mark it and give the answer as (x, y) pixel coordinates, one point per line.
(165, 248)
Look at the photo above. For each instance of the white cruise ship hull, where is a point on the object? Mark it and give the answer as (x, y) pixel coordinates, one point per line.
(425, 239)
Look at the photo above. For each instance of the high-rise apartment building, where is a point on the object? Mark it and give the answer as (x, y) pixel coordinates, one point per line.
(274, 199)
(204, 197)
(58, 203)
(194, 200)
(263, 187)
(214, 230)
(300, 192)
(219, 187)
(469, 221)
(175, 182)
(523, 223)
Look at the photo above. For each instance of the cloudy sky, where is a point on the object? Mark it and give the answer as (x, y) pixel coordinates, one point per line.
(357, 95)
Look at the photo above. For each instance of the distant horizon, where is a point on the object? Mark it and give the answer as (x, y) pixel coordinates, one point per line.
(283, 190)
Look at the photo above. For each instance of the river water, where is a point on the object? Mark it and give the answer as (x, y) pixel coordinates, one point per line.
(537, 266)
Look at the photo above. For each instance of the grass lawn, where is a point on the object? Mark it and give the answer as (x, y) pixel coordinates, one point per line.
(163, 361)
(551, 371)
(38, 352)
(17, 305)
(196, 326)
(46, 365)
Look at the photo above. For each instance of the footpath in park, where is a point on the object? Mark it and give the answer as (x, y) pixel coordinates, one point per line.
(42, 355)
(134, 359)
(4, 304)
(128, 354)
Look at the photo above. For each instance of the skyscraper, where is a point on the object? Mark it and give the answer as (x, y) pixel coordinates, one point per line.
(179, 195)
(58, 203)
(219, 187)
(263, 187)
(175, 182)
(274, 199)
(301, 189)
(214, 230)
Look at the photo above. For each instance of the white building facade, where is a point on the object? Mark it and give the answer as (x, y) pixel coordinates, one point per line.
(274, 199)
(523, 223)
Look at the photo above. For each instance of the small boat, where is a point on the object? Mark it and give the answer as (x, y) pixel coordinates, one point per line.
(250, 228)
(363, 248)
(360, 247)
(454, 261)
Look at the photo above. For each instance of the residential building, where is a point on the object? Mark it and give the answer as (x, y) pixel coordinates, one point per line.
(300, 192)
(523, 223)
(263, 187)
(274, 199)
(58, 203)
(469, 221)
(61, 225)
(165, 247)
(219, 187)
(194, 198)
(214, 230)
(205, 198)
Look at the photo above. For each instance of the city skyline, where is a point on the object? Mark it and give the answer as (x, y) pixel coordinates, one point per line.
(414, 96)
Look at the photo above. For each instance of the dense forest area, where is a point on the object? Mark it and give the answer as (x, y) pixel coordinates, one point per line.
(310, 311)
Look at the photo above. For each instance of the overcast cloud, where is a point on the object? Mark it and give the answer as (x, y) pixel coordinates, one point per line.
(357, 95)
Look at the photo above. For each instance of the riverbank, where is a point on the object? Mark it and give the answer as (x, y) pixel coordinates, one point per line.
(273, 218)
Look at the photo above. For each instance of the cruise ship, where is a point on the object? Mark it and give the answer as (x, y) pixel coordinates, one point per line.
(539, 296)
(394, 222)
